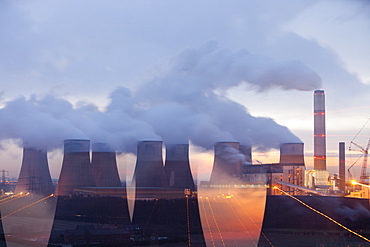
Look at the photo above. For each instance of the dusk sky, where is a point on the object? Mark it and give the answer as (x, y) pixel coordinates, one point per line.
(208, 71)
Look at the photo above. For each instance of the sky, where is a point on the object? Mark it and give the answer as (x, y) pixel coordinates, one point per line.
(208, 71)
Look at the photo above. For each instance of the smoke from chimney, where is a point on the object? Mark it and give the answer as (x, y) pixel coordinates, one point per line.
(189, 94)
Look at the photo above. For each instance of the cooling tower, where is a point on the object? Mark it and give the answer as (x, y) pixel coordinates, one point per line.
(76, 168)
(319, 131)
(246, 150)
(149, 170)
(292, 153)
(177, 167)
(227, 162)
(342, 166)
(34, 176)
(104, 166)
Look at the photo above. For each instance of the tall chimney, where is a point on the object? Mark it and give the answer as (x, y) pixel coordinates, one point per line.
(34, 176)
(292, 153)
(319, 131)
(342, 166)
(149, 170)
(104, 166)
(227, 165)
(246, 150)
(177, 167)
(76, 168)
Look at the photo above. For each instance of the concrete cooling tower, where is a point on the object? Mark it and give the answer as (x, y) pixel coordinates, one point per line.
(246, 150)
(177, 167)
(149, 170)
(292, 153)
(227, 162)
(104, 166)
(76, 168)
(34, 176)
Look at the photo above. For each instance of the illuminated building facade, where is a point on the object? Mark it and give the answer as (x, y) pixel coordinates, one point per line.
(319, 131)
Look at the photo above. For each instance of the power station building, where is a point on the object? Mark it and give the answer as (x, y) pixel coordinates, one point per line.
(290, 170)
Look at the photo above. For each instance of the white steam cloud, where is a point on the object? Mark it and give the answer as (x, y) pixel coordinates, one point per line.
(178, 106)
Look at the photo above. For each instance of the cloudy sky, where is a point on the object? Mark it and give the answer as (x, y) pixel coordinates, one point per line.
(121, 71)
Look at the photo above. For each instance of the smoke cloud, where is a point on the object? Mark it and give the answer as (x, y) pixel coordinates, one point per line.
(185, 102)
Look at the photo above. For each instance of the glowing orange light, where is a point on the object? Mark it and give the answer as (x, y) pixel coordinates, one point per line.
(353, 182)
(364, 185)
(319, 113)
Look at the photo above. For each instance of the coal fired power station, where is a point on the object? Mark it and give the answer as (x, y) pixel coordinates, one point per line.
(243, 203)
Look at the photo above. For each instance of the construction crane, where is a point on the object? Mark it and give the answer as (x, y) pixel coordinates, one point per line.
(365, 152)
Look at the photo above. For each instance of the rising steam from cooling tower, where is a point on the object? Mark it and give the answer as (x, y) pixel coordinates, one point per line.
(179, 104)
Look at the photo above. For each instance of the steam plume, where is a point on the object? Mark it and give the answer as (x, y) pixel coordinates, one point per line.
(185, 102)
